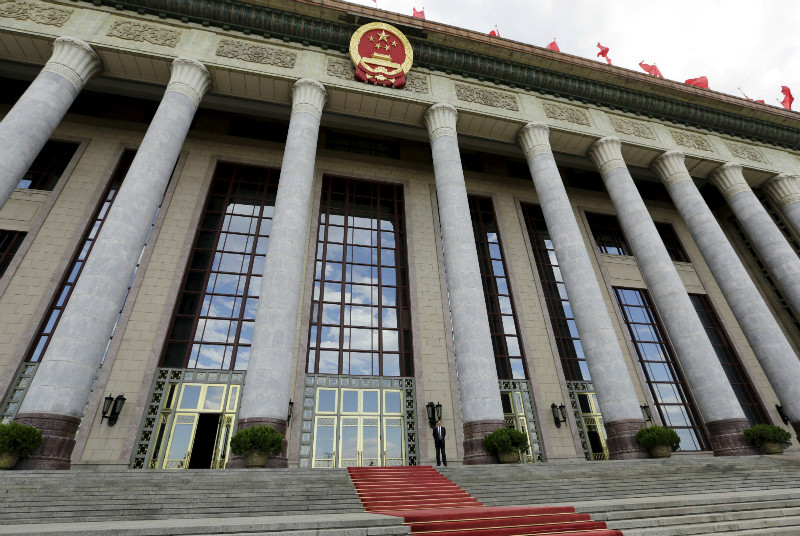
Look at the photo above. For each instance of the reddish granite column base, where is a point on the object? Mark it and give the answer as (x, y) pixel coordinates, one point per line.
(727, 438)
(796, 426)
(473, 441)
(58, 435)
(621, 439)
(275, 462)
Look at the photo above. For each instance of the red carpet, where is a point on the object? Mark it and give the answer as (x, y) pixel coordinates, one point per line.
(433, 505)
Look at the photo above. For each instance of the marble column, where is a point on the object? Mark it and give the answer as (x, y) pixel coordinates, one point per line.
(778, 255)
(34, 117)
(477, 374)
(619, 405)
(784, 191)
(773, 351)
(704, 374)
(63, 381)
(267, 390)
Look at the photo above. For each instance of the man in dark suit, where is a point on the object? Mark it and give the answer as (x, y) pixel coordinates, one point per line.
(439, 433)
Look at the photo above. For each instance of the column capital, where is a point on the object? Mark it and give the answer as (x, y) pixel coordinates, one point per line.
(309, 96)
(534, 138)
(75, 60)
(440, 120)
(189, 77)
(671, 168)
(783, 189)
(729, 180)
(606, 153)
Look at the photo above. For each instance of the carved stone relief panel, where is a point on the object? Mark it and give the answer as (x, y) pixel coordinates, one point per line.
(339, 68)
(487, 97)
(747, 152)
(241, 50)
(691, 140)
(566, 113)
(22, 10)
(139, 31)
(623, 125)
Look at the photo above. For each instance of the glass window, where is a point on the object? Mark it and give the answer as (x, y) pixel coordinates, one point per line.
(48, 166)
(608, 234)
(671, 242)
(9, 244)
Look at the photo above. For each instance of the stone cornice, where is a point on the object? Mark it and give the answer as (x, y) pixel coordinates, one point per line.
(329, 24)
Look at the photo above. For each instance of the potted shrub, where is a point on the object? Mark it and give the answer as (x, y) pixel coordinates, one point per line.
(658, 440)
(506, 443)
(256, 444)
(17, 440)
(770, 439)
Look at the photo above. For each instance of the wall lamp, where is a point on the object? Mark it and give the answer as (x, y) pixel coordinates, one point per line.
(434, 413)
(559, 414)
(289, 415)
(648, 415)
(784, 417)
(112, 407)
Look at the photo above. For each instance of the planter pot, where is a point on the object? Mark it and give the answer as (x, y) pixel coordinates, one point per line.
(660, 451)
(255, 458)
(508, 457)
(8, 460)
(772, 448)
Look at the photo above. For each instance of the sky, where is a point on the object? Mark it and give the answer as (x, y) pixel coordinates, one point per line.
(753, 45)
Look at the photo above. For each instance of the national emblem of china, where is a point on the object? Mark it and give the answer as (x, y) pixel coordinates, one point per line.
(382, 55)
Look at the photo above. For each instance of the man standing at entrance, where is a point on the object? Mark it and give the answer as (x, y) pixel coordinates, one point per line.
(439, 433)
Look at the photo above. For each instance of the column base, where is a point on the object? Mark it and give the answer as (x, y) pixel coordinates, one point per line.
(473, 441)
(621, 439)
(727, 438)
(275, 462)
(58, 435)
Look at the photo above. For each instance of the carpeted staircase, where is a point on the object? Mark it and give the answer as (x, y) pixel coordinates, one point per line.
(432, 505)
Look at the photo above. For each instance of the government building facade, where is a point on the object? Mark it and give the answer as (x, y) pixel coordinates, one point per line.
(223, 214)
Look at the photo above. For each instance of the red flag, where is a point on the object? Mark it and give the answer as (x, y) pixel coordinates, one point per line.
(495, 32)
(419, 14)
(787, 97)
(650, 69)
(748, 98)
(698, 82)
(603, 52)
(553, 46)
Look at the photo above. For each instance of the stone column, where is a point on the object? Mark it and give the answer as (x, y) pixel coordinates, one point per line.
(784, 191)
(477, 372)
(267, 390)
(32, 120)
(778, 255)
(760, 328)
(61, 387)
(622, 414)
(709, 385)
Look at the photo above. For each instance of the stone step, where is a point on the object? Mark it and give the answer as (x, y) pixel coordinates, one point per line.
(703, 518)
(765, 526)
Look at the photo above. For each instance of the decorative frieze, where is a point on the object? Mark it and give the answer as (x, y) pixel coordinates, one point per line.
(139, 31)
(691, 140)
(417, 83)
(338, 68)
(487, 97)
(22, 10)
(240, 50)
(745, 151)
(632, 128)
(566, 113)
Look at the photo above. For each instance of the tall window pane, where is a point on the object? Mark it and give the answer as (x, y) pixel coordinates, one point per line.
(360, 318)
(730, 362)
(608, 234)
(9, 244)
(508, 352)
(48, 166)
(213, 322)
(656, 358)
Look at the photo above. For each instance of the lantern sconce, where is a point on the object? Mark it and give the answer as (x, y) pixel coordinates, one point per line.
(784, 417)
(559, 414)
(289, 415)
(434, 413)
(112, 407)
(647, 413)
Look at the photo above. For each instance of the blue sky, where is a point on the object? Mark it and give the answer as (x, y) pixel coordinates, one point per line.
(754, 45)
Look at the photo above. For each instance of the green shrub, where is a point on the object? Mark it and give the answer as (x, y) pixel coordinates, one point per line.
(505, 440)
(19, 438)
(766, 433)
(658, 435)
(264, 438)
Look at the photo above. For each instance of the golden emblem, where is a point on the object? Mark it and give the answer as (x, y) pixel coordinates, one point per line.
(381, 54)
